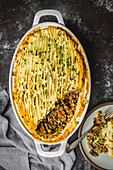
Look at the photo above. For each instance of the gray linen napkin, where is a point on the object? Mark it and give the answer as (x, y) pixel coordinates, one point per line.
(17, 149)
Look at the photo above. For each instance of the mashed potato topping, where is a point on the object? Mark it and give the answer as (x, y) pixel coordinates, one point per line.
(50, 64)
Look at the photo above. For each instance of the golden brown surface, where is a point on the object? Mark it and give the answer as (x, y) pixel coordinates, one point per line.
(49, 64)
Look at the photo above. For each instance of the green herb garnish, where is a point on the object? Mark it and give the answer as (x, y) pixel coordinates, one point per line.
(67, 62)
(73, 104)
(87, 143)
(39, 54)
(104, 140)
(62, 55)
(48, 60)
(31, 52)
(99, 136)
(60, 48)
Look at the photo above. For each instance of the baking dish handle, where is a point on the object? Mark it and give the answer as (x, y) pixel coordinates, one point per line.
(45, 12)
(43, 153)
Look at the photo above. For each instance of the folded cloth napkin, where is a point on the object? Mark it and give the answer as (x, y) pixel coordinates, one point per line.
(17, 149)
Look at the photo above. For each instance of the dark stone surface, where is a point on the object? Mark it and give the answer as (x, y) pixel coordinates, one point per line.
(90, 20)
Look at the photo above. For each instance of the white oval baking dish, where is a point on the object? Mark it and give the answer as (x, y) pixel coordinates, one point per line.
(43, 25)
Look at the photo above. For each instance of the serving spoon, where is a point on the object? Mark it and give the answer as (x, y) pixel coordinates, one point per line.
(106, 114)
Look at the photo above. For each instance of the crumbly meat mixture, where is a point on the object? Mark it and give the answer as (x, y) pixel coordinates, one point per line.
(56, 120)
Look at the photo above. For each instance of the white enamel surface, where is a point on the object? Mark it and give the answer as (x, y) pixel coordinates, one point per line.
(52, 153)
(104, 161)
(45, 12)
(11, 79)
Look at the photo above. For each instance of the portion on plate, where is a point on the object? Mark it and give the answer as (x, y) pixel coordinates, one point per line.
(100, 138)
(51, 83)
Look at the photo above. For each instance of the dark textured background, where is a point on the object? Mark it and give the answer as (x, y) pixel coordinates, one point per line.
(90, 20)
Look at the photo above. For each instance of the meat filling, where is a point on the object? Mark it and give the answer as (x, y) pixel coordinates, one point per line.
(95, 138)
(58, 117)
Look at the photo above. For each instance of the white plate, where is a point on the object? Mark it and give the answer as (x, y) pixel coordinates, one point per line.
(103, 161)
